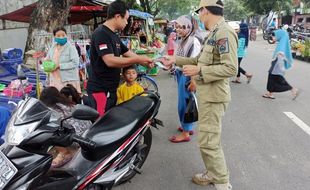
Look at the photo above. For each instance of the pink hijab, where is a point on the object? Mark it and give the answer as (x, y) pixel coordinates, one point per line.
(171, 41)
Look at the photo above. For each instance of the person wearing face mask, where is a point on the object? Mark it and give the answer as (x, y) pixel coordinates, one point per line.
(211, 70)
(66, 59)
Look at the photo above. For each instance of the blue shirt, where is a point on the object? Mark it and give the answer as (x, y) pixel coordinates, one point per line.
(241, 47)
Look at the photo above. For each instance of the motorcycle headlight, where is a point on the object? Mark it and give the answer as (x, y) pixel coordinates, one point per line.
(16, 134)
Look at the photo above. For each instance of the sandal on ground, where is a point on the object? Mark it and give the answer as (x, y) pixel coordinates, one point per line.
(268, 96)
(249, 78)
(236, 81)
(61, 160)
(191, 132)
(175, 140)
(297, 93)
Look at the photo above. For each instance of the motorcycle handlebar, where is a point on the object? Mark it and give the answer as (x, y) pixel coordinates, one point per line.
(84, 142)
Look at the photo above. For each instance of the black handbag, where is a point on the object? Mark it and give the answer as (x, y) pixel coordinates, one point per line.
(191, 112)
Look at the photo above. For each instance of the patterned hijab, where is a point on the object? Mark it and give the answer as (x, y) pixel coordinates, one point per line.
(186, 43)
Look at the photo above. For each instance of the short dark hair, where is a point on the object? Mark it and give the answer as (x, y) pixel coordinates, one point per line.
(70, 92)
(216, 10)
(59, 29)
(116, 7)
(131, 67)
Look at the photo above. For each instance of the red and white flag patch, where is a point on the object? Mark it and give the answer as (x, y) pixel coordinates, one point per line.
(103, 46)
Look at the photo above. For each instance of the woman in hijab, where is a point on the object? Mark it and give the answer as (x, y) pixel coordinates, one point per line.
(243, 42)
(282, 61)
(188, 46)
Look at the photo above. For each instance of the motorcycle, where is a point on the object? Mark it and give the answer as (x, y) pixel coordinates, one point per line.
(110, 152)
(268, 35)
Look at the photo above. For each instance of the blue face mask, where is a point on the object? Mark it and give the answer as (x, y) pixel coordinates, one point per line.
(61, 41)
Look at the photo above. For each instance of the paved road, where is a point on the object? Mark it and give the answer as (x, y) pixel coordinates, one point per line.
(265, 150)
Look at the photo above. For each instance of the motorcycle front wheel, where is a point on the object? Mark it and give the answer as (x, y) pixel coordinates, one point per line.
(146, 141)
(270, 41)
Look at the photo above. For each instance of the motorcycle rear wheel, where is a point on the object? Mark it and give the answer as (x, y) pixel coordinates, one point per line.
(146, 140)
(265, 36)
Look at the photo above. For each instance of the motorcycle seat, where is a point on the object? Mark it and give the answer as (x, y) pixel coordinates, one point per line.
(120, 122)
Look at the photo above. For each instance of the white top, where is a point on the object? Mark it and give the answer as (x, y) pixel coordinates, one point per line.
(197, 48)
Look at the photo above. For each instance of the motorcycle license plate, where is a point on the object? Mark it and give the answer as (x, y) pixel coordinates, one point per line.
(7, 170)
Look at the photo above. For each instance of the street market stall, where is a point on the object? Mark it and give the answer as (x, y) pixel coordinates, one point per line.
(139, 35)
(82, 12)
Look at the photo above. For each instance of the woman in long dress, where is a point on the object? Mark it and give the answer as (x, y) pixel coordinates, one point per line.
(188, 46)
(281, 62)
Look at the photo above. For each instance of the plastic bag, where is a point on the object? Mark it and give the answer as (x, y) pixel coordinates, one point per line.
(49, 66)
(191, 112)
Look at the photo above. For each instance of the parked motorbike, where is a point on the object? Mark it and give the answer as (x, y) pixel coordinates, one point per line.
(111, 151)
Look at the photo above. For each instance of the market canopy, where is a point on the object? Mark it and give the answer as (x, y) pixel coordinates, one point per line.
(140, 14)
(82, 11)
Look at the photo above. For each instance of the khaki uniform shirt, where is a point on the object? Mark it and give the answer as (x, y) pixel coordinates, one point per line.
(218, 62)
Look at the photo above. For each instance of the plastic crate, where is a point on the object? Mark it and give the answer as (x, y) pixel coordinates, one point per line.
(7, 80)
(11, 65)
(4, 72)
(32, 75)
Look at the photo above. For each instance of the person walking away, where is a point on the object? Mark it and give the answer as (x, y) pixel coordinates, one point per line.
(130, 87)
(212, 69)
(282, 60)
(66, 58)
(188, 46)
(243, 42)
(108, 56)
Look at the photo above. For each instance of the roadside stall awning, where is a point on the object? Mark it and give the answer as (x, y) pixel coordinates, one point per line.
(140, 14)
(82, 11)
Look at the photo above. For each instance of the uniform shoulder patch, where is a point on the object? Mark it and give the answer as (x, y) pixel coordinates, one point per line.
(223, 45)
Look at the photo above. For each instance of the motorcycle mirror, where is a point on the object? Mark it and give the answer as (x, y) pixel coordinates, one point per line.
(83, 112)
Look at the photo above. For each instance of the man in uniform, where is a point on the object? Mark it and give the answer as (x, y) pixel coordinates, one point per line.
(212, 69)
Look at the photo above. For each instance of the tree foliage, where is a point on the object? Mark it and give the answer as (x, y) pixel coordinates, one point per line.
(235, 10)
(169, 9)
(264, 6)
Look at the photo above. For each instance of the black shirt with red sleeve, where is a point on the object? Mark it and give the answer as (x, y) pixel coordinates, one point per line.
(103, 78)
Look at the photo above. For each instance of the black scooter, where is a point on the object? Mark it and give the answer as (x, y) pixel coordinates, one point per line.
(268, 35)
(111, 152)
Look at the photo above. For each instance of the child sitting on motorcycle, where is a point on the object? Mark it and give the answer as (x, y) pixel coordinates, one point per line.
(61, 108)
(130, 87)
